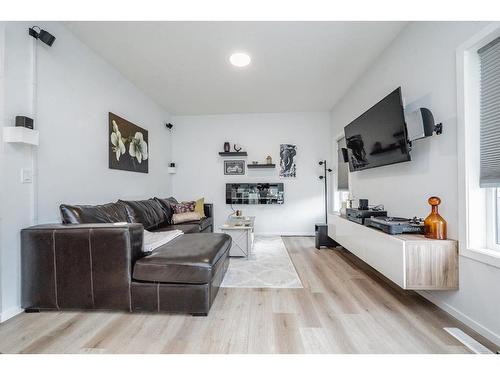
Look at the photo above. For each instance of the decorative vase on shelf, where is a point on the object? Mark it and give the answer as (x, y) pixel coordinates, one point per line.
(435, 225)
(227, 147)
(269, 159)
(237, 147)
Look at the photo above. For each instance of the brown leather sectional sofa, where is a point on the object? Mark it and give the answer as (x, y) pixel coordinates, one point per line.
(95, 260)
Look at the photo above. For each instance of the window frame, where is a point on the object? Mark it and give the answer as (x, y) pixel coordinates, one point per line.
(475, 204)
(492, 215)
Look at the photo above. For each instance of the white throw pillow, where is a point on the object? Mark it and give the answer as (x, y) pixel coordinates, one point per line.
(184, 217)
(153, 240)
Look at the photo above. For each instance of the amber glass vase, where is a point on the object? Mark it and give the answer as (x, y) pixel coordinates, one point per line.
(435, 225)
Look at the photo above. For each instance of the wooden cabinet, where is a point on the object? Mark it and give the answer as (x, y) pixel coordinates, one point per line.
(409, 260)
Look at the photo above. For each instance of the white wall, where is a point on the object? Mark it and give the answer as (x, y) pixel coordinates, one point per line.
(198, 140)
(422, 61)
(2, 172)
(76, 90)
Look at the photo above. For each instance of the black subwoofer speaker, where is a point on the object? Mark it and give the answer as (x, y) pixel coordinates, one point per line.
(322, 239)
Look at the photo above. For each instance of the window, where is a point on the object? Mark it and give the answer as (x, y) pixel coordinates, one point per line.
(489, 119)
(478, 119)
(497, 216)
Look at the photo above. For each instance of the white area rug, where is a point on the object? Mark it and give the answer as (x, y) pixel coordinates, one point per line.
(268, 266)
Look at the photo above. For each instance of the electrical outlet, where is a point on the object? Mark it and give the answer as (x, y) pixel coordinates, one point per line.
(26, 176)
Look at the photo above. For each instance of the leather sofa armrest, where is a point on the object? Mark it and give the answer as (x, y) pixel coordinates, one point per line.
(209, 209)
(79, 265)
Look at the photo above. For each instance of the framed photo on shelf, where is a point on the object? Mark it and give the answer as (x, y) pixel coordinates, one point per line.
(234, 167)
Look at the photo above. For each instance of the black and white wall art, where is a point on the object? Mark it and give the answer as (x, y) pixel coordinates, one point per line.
(128, 145)
(288, 153)
(234, 167)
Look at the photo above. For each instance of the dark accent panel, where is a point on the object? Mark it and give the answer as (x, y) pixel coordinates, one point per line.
(74, 283)
(231, 153)
(37, 270)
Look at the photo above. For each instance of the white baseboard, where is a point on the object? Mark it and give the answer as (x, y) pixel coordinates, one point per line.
(479, 328)
(301, 234)
(10, 313)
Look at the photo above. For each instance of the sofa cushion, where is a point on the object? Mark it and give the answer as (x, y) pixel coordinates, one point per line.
(168, 206)
(86, 214)
(186, 217)
(205, 223)
(147, 212)
(183, 207)
(189, 259)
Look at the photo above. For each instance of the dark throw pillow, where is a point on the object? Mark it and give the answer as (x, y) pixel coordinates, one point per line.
(87, 214)
(167, 205)
(148, 212)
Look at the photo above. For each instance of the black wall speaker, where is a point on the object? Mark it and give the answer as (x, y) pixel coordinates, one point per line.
(24, 121)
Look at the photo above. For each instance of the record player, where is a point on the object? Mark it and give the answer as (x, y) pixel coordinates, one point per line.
(396, 225)
(360, 215)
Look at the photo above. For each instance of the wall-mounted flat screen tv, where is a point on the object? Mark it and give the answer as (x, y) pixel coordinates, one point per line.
(256, 193)
(378, 137)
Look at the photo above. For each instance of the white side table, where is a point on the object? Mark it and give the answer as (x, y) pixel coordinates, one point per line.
(241, 231)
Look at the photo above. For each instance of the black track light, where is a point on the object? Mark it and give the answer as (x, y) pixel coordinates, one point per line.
(43, 35)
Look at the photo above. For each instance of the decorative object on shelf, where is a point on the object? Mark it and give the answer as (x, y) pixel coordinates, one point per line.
(237, 147)
(324, 177)
(255, 162)
(435, 225)
(269, 159)
(287, 160)
(239, 213)
(227, 147)
(234, 167)
(172, 168)
(128, 145)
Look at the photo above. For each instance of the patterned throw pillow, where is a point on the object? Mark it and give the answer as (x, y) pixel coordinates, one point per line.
(183, 207)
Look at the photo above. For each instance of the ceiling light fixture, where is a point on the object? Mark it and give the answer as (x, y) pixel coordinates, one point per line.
(240, 59)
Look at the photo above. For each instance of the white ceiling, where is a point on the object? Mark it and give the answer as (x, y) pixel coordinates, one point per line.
(296, 66)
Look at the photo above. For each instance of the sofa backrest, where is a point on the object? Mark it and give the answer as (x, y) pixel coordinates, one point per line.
(86, 214)
(148, 212)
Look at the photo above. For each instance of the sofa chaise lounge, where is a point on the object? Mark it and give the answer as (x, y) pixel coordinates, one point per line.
(95, 260)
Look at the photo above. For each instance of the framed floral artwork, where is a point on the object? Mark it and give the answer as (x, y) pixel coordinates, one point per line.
(128, 145)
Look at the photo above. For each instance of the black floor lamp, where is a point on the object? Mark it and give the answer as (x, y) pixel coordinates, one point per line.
(321, 230)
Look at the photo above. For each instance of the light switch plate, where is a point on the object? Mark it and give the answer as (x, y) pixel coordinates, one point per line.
(26, 176)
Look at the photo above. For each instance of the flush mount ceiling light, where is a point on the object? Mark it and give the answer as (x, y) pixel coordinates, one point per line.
(240, 59)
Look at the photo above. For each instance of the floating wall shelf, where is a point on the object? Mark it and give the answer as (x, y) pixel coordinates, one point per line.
(19, 134)
(256, 166)
(241, 153)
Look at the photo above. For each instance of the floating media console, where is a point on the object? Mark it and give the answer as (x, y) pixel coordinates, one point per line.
(257, 193)
(410, 260)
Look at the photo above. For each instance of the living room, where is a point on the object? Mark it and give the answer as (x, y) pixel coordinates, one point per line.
(187, 187)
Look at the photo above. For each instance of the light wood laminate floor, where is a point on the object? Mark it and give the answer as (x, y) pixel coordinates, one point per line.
(345, 307)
